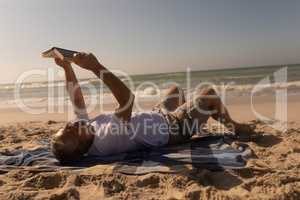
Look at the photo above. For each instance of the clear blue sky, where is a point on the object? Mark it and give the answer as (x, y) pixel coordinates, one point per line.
(150, 36)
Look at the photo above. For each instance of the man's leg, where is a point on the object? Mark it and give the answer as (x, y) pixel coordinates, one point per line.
(243, 132)
(187, 120)
(173, 98)
(216, 107)
(193, 115)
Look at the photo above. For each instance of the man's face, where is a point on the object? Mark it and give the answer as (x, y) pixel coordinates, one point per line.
(74, 134)
(73, 139)
(68, 139)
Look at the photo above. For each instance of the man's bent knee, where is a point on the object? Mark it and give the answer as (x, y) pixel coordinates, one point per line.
(209, 91)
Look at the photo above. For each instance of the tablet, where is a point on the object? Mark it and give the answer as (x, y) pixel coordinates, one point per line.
(56, 52)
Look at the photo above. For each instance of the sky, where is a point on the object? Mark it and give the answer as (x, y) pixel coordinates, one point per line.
(150, 36)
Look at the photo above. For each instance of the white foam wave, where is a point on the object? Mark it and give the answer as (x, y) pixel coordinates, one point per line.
(288, 85)
(147, 94)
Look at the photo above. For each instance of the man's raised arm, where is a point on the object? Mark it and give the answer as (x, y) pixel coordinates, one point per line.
(73, 89)
(120, 91)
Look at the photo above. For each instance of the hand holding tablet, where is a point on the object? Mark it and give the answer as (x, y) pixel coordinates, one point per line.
(63, 54)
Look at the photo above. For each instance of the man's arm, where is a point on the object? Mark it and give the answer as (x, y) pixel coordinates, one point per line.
(73, 89)
(120, 91)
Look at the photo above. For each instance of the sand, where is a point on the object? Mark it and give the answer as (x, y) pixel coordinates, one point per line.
(275, 174)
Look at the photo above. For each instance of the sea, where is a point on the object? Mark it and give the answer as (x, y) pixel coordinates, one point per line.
(236, 81)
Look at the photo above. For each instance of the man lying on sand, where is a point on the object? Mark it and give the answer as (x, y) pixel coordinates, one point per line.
(173, 121)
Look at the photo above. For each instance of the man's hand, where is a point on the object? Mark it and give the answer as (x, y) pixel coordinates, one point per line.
(121, 92)
(62, 63)
(87, 61)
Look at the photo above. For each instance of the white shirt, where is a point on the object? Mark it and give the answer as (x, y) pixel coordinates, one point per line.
(112, 136)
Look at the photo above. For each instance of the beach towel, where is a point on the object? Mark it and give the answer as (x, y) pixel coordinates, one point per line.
(211, 152)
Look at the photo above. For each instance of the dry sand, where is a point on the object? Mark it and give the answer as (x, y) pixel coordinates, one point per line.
(275, 174)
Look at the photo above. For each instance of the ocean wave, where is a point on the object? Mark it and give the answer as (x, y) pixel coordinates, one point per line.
(151, 90)
(147, 94)
(37, 92)
(42, 85)
(287, 85)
